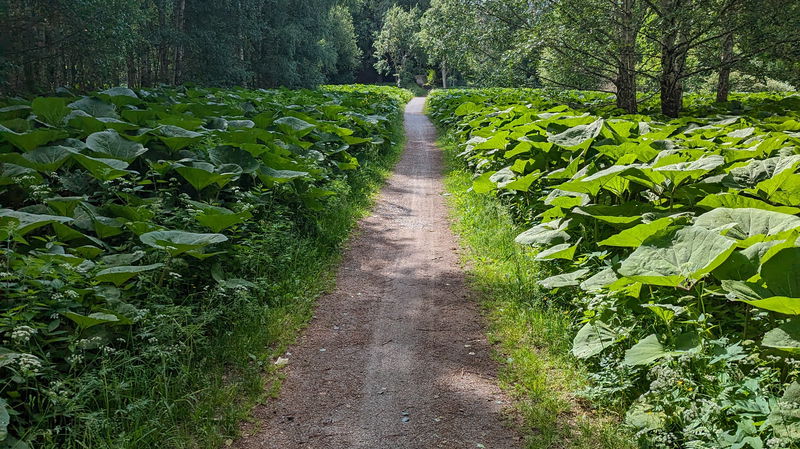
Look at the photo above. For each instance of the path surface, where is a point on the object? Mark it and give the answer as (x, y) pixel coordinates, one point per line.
(395, 357)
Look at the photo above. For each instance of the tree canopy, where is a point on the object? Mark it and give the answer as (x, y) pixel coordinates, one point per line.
(628, 47)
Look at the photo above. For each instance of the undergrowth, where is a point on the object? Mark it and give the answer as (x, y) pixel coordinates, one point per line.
(532, 333)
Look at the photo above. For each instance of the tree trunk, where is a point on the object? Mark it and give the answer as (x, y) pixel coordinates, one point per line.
(671, 85)
(626, 76)
(444, 75)
(180, 24)
(724, 83)
(674, 50)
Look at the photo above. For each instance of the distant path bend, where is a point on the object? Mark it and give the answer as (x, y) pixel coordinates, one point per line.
(396, 356)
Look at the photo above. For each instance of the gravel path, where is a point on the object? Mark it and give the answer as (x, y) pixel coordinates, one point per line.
(396, 356)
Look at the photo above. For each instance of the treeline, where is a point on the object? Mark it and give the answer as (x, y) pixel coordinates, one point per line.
(88, 44)
(664, 47)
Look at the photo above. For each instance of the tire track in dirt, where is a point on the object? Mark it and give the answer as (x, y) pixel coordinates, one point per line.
(395, 356)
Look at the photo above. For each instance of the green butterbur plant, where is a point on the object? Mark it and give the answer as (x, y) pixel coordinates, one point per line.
(116, 210)
(674, 241)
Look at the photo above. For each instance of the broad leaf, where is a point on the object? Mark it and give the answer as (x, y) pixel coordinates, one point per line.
(578, 136)
(51, 110)
(545, 234)
(564, 280)
(785, 337)
(43, 159)
(744, 223)
(179, 242)
(102, 168)
(177, 138)
(95, 319)
(294, 126)
(682, 256)
(23, 222)
(646, 351)
(111, 144)
(592, 339)
(782, 273)
(635, 236)
(121, 274)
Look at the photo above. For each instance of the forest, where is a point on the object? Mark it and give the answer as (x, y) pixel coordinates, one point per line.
(400, 223)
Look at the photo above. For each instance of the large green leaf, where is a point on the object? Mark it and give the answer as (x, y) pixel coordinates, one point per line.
(678, 257)
(756, 171)
(95, 107)
(579, 136)
(681, 171)
(564, 280)
(599, 280)
(736, 201)
(202, 174)
(43, 159)
(177, 138)
(23, 222)
(608, 178)
(646, 351)
(121, 274)
(782, 273)
(94, 319)
(102, 168)
(14, 111)
(270, 176)
(110, 144)
(179, 242)
(592, 339)
(51, 110)
(563, 251)
(120, 96)
(222, 155)
(218, 218)
(759, 296)
(294, 126)
(635, 236)
(32, 139)
(467, 108)
(545, 234)
(619, 214)
(785, 337)
(746, 223)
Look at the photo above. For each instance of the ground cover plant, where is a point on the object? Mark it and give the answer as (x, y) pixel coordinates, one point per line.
(156, 241)
(672, 243)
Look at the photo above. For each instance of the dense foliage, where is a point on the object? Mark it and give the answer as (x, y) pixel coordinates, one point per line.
(623, 46)
(674, 243)
(85, 44)
(129, 221)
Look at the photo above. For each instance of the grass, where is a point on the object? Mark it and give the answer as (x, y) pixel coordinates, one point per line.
(532, 336)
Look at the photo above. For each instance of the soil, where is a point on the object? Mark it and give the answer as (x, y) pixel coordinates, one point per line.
(396, 355)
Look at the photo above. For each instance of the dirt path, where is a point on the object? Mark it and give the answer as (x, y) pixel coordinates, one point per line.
(395, 357)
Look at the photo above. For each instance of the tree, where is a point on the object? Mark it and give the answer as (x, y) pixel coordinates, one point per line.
(341, 39)
(598, 39)
(368, 18)
(86, 44)
(585, 44)
(397, 45)
(683, 28)
(442, 35)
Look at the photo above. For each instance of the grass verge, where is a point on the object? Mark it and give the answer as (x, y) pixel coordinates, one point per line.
(532, 337)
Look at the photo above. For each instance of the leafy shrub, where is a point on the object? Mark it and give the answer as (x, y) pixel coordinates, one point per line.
(139, 226)
(675, 243)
